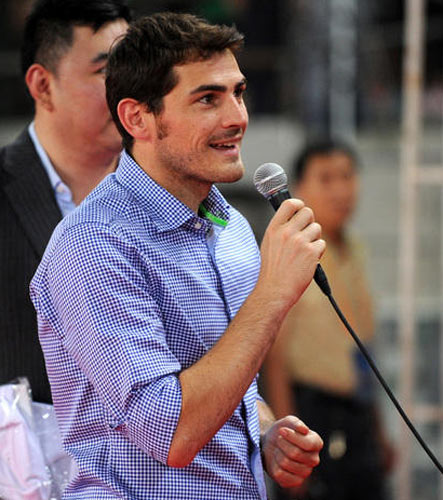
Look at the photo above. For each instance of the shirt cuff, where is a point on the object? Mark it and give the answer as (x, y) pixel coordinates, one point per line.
(153, 416)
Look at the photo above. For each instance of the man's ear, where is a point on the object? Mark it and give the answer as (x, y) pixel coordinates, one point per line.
(136, 119)
(38, 80)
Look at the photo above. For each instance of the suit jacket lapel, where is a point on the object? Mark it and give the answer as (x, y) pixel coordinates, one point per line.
(29, 191)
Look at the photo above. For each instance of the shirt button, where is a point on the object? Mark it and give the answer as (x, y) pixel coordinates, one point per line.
(198, 225)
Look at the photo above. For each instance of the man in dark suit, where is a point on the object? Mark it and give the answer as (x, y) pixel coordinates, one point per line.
(69, 147)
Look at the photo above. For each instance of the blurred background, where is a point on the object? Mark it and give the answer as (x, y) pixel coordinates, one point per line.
(370, 72)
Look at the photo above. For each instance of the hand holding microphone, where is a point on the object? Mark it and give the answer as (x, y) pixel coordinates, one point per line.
(292, 244)
(271, 181)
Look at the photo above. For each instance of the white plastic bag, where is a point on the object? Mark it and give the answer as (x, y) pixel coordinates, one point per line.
(33, 465)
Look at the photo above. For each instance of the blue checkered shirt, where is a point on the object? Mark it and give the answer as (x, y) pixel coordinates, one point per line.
(133, 288)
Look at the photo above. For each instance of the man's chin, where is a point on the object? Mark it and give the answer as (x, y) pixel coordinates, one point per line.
(233, 174)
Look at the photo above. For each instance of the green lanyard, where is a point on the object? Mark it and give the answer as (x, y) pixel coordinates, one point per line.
(216, 220)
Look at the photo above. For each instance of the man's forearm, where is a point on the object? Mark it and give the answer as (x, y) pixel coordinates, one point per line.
(213, 387)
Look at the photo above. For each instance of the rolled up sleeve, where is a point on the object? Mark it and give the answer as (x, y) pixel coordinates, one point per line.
(111, 326)
(153, 415)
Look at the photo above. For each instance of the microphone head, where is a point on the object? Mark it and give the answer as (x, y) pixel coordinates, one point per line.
(270, 178)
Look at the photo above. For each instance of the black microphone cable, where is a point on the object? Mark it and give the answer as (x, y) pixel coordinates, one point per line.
(271, 181)
(328, 293)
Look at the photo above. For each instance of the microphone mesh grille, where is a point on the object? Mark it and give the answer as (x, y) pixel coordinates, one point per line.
(269, 178)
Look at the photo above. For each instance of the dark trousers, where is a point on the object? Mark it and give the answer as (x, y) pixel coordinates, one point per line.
(350, 466)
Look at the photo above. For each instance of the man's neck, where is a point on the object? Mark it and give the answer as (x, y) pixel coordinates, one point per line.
(80, 169)
(189, 191)
(82, 179)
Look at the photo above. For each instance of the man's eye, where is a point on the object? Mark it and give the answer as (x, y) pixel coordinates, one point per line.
(207, 99)
(240, 92)
(100, 71)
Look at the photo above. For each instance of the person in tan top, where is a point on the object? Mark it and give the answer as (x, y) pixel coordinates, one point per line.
(315, 369)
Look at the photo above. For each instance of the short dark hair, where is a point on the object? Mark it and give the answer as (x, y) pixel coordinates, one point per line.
(320, 147)
(48, 31)
(140, 64)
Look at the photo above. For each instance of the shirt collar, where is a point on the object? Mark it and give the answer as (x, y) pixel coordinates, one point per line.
(165, 210)
(57, 184)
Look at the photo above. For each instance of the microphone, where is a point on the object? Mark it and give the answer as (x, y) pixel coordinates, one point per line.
(271, 181)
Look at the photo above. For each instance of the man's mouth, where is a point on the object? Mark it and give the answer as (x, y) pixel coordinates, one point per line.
(225, 146)
(227, 143)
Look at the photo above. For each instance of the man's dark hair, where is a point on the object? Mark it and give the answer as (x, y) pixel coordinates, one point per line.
(48, 32)
(320, 147)
(140, 65)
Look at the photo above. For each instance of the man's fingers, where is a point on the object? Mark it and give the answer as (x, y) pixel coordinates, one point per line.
(287, 480)
(294, 423)
(313, 231)
(287, 211)
(320, 247)
(291, 466)
(310, 442)
(288, 472)
(297, 456)
(292, 452)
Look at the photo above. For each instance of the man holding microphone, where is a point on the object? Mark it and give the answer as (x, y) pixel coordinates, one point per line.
(155, 307)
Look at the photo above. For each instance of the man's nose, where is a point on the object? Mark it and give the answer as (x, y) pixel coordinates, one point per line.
(235, 114)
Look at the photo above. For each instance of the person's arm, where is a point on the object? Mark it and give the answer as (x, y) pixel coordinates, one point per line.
(290, 450)
(213, 387)
(100, 307)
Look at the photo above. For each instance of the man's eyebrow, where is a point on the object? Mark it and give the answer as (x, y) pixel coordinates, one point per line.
(100, 57)
(209, 87)
(216, 88)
